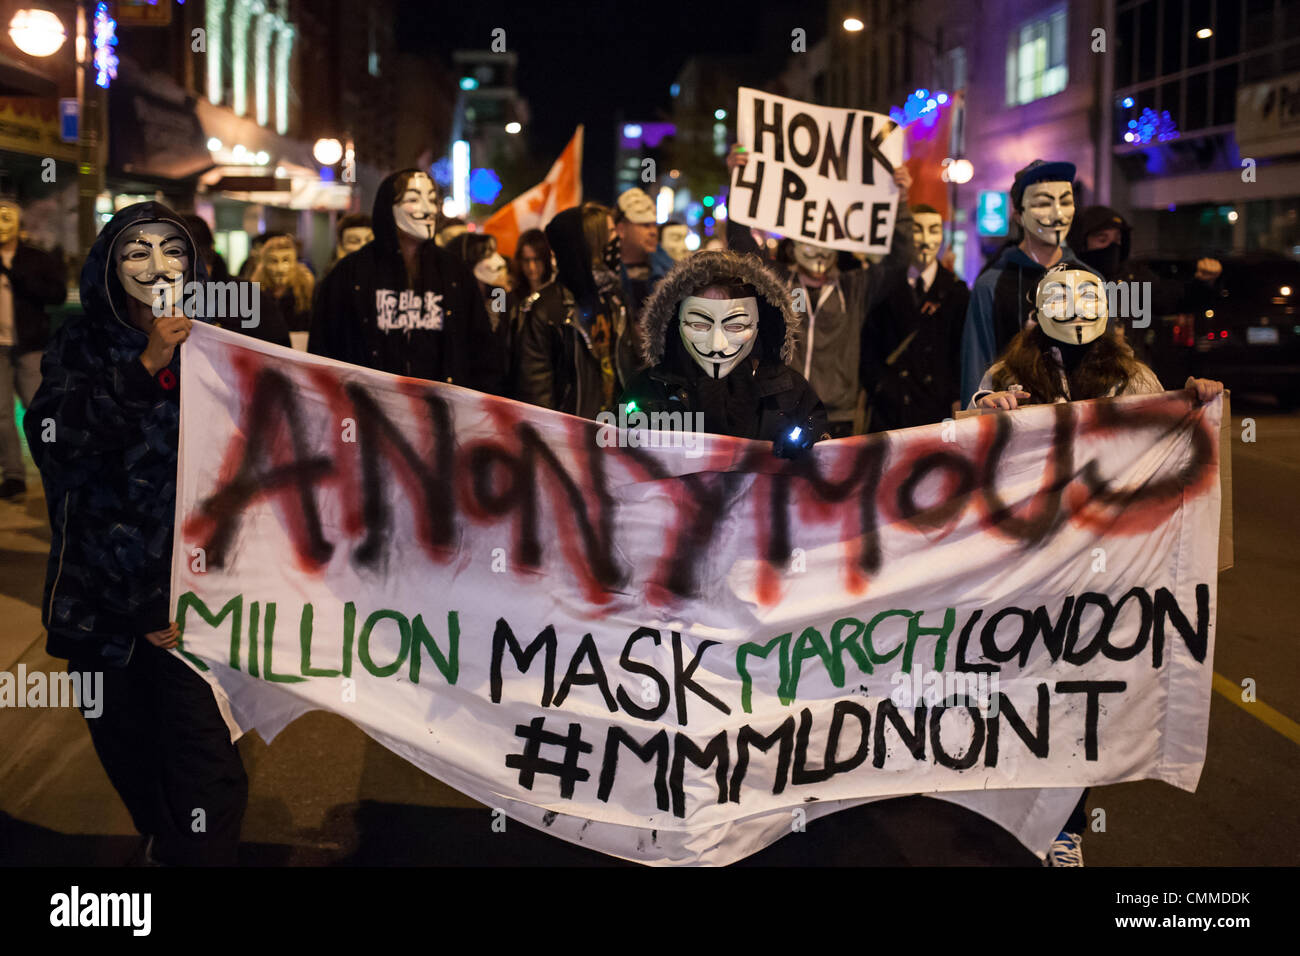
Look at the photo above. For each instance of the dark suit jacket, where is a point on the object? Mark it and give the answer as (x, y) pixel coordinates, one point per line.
(923, 381)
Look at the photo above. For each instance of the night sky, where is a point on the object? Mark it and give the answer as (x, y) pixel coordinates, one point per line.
(582, 62)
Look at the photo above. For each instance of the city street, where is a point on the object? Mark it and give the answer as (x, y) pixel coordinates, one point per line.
(325, 794)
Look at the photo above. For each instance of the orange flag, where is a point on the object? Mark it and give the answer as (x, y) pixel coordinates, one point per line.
(561, 189)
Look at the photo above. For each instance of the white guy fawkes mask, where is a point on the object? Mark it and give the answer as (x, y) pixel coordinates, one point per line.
(927, 237)
(1048, 210)
(674, 242)
(353, 239)
(1071, 306)
(279, 265)
(491, 270)
(815, 260)
(151, 259)
(718, 333)
(416, 208)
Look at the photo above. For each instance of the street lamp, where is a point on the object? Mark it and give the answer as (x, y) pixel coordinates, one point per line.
(513, 127)
(327, 151)
(853, 24)
(957, 170)
(37, 32)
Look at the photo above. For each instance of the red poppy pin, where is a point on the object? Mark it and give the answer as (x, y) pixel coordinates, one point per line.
(167, 379)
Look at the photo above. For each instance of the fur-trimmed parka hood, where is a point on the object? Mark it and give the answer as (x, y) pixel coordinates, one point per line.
(777, 322)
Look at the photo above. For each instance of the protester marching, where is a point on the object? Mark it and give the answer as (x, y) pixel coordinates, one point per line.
(652, 511)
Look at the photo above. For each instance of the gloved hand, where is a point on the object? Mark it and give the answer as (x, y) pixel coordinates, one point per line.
(795, 439)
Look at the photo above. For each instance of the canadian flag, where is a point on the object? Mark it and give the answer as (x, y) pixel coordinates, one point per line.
(560, 190)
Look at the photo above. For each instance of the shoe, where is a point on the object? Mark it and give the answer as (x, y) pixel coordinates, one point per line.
(1066, 850)
(12, 488)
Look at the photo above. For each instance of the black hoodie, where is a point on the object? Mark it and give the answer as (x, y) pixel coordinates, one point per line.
(1168, 296)
(110, 469)
(369, 312)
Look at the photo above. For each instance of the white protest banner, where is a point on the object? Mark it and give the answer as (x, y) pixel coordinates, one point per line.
(664, 652)
(816, 173)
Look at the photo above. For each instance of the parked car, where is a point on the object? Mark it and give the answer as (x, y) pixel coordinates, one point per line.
(1249, 335)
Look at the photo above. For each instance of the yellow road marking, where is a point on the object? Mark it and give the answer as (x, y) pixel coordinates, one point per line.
(1283, 724)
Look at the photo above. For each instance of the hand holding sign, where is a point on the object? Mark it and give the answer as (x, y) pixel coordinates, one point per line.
(738, 156)
(815, 173)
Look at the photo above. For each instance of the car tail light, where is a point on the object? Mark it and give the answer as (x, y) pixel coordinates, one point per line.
(1183, 332)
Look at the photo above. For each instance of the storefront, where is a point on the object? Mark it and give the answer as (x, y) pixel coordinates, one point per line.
(264, 182)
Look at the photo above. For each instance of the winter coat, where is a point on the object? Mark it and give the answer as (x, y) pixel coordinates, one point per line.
(911, 352)
(558, 364)
(36, 280)
(828, 350)
(763, 395)
(433, 326)
(999, 307)
(103, 433)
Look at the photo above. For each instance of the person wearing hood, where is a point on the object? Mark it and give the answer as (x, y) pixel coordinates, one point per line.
(103, 430)
(1103, 239)
(716, 338)
(574, 351)
(828, 351)
(1042, 200)
(402, 304)
(478, 250)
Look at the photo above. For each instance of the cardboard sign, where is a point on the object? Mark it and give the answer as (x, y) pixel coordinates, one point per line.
(816, 173)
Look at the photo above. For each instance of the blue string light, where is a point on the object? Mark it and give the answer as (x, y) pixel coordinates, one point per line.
(105, 40)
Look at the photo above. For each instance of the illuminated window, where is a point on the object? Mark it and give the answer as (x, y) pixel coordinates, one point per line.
(262, 67)
(215, 21)
(283, 46)
(1036, 65)
(239, 56)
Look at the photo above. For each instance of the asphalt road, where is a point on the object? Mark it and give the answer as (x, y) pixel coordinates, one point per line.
(324, 793)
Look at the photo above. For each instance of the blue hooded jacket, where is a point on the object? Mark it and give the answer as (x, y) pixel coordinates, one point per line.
(103, 433)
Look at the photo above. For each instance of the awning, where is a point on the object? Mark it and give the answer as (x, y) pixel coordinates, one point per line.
(288, 186)
(16, 79)
(154, 138)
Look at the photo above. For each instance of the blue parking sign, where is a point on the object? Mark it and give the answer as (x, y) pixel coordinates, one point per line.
(993, 213)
